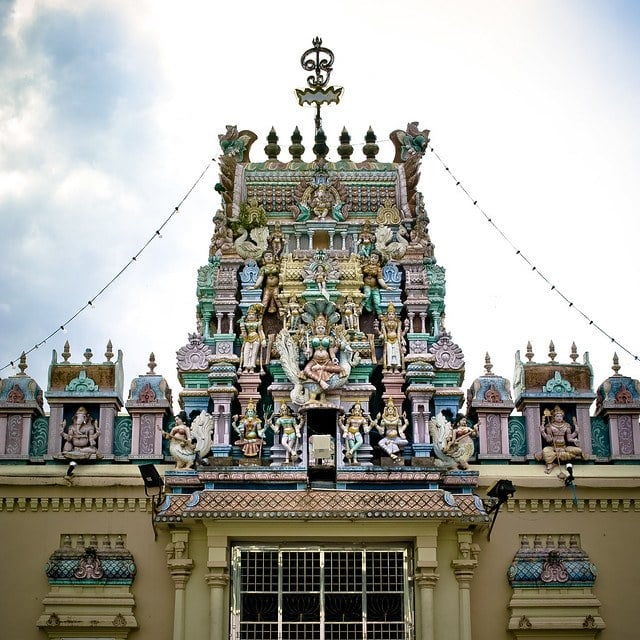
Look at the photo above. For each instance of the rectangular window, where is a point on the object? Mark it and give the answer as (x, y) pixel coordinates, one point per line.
(321, 593)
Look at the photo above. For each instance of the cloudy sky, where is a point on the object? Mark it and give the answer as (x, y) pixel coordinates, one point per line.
(109, 112)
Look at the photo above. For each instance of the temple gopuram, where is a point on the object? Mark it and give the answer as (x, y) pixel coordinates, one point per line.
(324, 473)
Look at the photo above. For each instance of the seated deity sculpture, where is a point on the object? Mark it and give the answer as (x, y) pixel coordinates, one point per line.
(325, 348)
(562, 440)
(81, 437)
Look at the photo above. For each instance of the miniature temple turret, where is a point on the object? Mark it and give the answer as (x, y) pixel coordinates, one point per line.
(489, 402)
(618, 403)
(84, 399)
(149, 405)
(543, 391)
(21, 414)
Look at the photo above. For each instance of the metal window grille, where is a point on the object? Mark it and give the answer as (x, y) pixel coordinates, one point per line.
(321, 593)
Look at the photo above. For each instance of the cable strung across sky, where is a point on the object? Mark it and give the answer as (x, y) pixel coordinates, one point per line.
(458, 183)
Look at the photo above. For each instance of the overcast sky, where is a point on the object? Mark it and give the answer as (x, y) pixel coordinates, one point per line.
(109, 111)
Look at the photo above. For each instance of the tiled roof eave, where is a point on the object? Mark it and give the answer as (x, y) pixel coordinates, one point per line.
(322, 505)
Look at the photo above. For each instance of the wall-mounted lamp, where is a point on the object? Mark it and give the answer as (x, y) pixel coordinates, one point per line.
(501, 491)
(154, 488)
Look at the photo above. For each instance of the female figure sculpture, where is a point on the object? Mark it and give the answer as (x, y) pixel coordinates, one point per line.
(321, 350)
(392, 426)
(253, 338)
(373, 282)
(391, 331)
(250, 430)
(291, 434)
(353, 426)
(269, 279)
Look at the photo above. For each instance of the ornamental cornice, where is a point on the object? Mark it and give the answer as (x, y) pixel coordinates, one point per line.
(322, 505)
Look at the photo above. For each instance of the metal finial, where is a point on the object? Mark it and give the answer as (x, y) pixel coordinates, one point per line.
(23, 364)
(319, 60)
(552, 352)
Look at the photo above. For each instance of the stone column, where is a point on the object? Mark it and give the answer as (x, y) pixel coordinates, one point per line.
(180, 567)
(217, 582)
(426, 582)
(463, 568)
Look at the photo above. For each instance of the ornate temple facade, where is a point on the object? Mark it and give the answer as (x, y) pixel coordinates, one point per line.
(325, 473)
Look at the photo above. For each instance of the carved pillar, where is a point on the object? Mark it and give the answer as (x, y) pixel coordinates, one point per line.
(217, 582)
(180, 567)
(426, 583)
(463, 568)
(426, 578)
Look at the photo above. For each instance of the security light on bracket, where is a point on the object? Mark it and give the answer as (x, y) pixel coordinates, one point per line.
(501, 491)
(152, 483)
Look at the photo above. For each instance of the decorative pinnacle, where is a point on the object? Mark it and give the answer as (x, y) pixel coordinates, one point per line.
(487, 364)
(23, 364)
(552, 352)
(319, 60)
(152, 363)
(322, 65)
(616, 364)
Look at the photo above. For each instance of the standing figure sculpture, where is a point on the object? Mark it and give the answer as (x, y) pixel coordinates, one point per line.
(373, 282)
(392, 426)
(392, 335)
(562, 439)
(291, 433)
(250, 430)
(253, 338)
(269, 279)
(352, 426)
(81, 438)
(276, 241)
(350, 314)
(292, 314)
(366, 241)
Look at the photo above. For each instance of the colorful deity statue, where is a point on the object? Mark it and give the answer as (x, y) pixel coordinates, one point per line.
(366, 241)
(392, 335)
(326, 349)
(253, 338)
(373, 281)
(321, 350)
(452, 441)
(353, 426)
(276, 241)
(561, 437)
(292, 314)
(269, 280)
(392, 426)
(181, 447)
(249, 428)
(81, 437)
(350, 314)
(291, 432)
